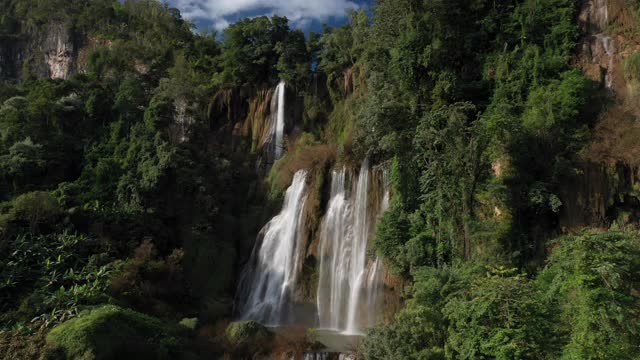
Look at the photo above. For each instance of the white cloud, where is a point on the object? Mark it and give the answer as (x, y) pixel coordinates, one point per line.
(299, 12)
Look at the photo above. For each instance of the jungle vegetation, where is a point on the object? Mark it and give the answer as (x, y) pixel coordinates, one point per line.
(112, 211)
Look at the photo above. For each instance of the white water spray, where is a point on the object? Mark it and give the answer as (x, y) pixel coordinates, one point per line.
(268, 281)
(601, 12)
(358, 261)
(610, 50)
(348, 285)
(278, 107)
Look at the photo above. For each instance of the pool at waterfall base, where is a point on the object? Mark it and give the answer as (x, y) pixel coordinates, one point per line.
(333, 341)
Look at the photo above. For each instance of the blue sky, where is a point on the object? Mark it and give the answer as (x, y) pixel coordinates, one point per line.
(308, 15)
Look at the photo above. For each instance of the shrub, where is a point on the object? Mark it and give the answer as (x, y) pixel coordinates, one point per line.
(306, 153)
(111, 332)
(501, 316)
(189, 323)
(632, 71)
(420, 329)
(593, 278)
(147, 281)
(45, 279)
(246, 332)
(35, 208)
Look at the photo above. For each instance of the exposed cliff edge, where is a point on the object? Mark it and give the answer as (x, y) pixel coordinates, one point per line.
(609, 177)
(49, 51)
(60, 53)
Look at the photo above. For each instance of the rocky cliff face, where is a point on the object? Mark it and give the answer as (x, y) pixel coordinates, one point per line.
(59, 50)
(7, 59)
(606, 182)
(608, 27)
(49, 51)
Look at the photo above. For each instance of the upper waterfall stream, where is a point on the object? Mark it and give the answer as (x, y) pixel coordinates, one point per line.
(278, 110)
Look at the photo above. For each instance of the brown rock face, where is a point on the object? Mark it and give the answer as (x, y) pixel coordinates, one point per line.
(608, 175)
(610, 38)
(598, 48)
(608, 27)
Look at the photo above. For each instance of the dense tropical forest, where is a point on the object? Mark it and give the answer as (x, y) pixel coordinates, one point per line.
(136, 171)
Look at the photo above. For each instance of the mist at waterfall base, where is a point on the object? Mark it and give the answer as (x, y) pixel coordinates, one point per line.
(349, 292)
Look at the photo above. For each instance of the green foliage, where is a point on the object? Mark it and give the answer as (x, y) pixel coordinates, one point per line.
(582, 305)
(341, 48)
(390, 240)
(556, 106)
(12, 117)
(257, 50)
(294, 60)
(189, 323)
(632, 66)
(632, 71)
(593, 280)
(449, 157)
(33, 208)
(110, 332)
(420, 329)
(246, 332)
(452, 88)
(501, 316)
(415, 335)
(474, 103)
(386, 125)
(23, 162)
(51, 276)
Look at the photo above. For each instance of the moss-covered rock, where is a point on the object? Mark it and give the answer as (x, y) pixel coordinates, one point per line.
(247, 332)
(111, 332)
(189, 323)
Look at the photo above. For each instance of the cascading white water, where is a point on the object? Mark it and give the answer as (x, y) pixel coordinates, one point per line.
(358, 261)
(602, 47)
(348, 285)
(609, 48)
(601, 12)
(280, 120)
(334, 256)
(268, 280)
(276, 131)
(315, 356)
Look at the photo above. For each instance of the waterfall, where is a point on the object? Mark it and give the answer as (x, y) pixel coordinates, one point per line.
(609, 48)
(276, 132)
(358, 261)
(316, 356)
(267, 283)
(601, 12)
(348, 284)
(601, 46)
(333, 280)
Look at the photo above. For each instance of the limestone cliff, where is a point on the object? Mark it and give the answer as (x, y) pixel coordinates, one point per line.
(59, 50)
(48, 51)
(606, 182)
